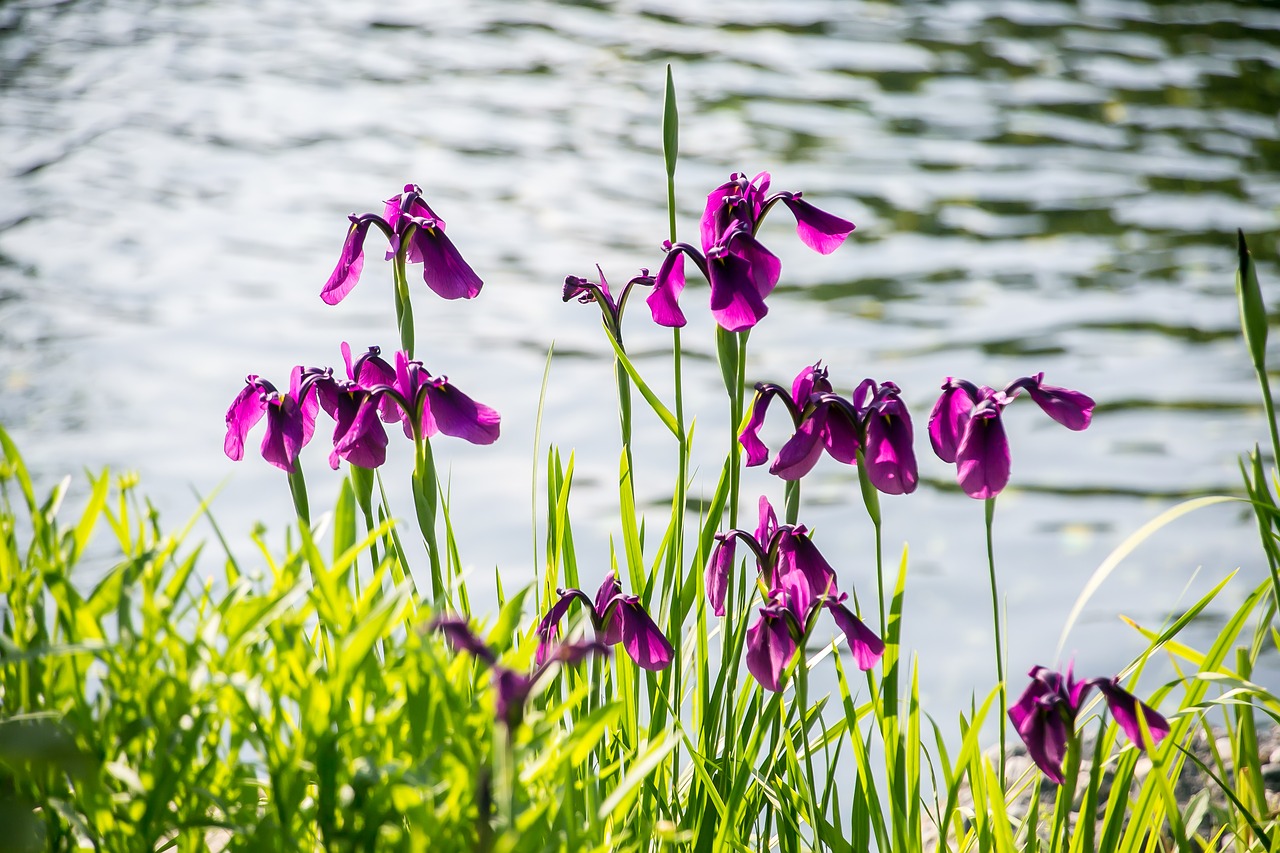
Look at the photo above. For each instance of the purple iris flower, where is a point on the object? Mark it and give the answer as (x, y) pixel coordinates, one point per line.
(779, 549)
(411, 225)
(426, 404)
(740, 270)
(585, 291)
(965, 427)
(291, 418)
(787, 619)
(874, 420)
(512, 688)
(1045, 715)
(358, 435)
(617, 618)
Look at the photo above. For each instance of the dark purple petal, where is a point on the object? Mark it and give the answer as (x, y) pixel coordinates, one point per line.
(798, 556)
(308, 403)
(757, 452)
(458, 631)
(736, 300)
(350, 262)
(770, 647)
(549, 627)
(811, 380)
(644, 642)
(608, 627)
(245, 411)
(840, 436)
(664, 301)
(802, 451)
(1072, 409)
(283, 440)
(867, 648)
(576, 652)
(443, 268)
(1045, 733)
(456, 414)
(890, 455)
(982, 459)
(1124, 707)
(717, 214)
(511, 691)
(768, 523)
(359, 437)
(723, 558)
(821, 231)
(947, 421)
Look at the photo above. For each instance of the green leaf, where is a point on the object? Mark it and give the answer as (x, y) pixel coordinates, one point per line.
(1253, 313)
(663, 413)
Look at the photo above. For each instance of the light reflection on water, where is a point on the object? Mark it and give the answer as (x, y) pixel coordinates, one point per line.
(1037, 185)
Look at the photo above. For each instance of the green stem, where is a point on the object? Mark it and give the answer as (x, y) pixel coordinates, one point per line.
(871, 502)
(791, 501)
(404, 310)
(298, 490)
(995, 617)
(802, 699)
(425, 489)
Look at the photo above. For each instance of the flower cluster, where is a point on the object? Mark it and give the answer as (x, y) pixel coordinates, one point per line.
(800, 584)
(874, 421)
(1045, 715)
(373, 393)
(617, 618)
(965, 427)
(740, 270)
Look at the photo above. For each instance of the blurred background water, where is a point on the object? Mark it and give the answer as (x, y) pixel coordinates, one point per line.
(1038, 186)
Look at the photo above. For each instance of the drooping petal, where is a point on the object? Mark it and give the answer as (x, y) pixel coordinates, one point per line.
(1045, 734)
(799, 557)
(802, 451)
(890, 455)
(511, 691)
(608, 627)
(1072, 409)
(644, 642)
(717, 213)
(840, 435)
(308, 402)
(723, 558)
(1125, 707)
(947, 421)
(982, 459)
(736, 301)
(821, 231)
(664, 301)
(347, 273)
(757, 452)
(770, 647)
(458, 631)
(362, 440)
(283, 440)
(549, 626)
(456, 414)
(245, 412)
(867, 648)
(443, 268)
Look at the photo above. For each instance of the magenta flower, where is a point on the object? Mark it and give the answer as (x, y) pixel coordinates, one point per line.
(585, 291)
(409, 225)
(358, 435)
(965, 427)
(426, 405)
(1045, 715)
(874, 420)
(617, 618)
(786, 621)
(779, 550)
(291, 418)
(740, 270)
(512, 688)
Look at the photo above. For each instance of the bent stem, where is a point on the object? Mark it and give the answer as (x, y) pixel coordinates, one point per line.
(995, 618)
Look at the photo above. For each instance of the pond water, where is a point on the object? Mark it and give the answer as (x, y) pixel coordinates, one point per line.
(1038, 186)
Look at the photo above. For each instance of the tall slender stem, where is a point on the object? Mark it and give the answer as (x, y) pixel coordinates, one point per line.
(995, 617)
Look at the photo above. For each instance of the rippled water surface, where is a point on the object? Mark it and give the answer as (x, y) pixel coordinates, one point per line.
(1038, 186)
